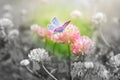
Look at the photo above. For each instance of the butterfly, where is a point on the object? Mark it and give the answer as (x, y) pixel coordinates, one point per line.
(55, 26)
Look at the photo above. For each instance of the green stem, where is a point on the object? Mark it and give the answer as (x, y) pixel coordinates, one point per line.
(54, 47)
(69, 62)
(45, 43)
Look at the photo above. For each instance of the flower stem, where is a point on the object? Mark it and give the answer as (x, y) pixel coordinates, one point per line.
(54, 47)
(34, 73)
(45, 43)
(102, 36)
(69, 62)
(49, 72)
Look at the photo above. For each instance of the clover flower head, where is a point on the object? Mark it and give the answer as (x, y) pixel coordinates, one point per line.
(81, 69)
(38, 55)
(82, 46)
(23, 12)
(88, 65)
(115, 60)
(76, 14)
(7, 23)
(99, 18)
(42, 32)
(69, 35)
(24, 62)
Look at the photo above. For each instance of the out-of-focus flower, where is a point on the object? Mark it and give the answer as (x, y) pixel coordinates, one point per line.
(23, 12)
(13, 34)
(6, 23)
(116, 20)
(7, 7)
(98, 70)
(69, 35)
(115, 60)
(38, 55)
(99, 18)
(88, 65)
(76, 14)
(42, 32)
(25, 62)
(82, 46)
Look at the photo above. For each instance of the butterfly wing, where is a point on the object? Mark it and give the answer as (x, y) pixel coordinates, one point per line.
(51, 27)
(65, 24)
(55, 22)
(61, 28)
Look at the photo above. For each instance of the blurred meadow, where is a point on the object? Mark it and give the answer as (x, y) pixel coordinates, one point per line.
(34, 46)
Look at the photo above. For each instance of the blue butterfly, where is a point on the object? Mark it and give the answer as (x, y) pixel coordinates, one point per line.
(56, 27)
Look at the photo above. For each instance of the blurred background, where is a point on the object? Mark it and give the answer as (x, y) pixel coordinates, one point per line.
(24, 13)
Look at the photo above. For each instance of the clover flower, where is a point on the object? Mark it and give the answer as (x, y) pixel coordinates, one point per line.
(88, 65)
(24, 62)
(69, 35)
(95, 70)
(42, 32)
(6, 23)
(82, 46)
(99, 18)
(115, 60)
(38, 55)
(76, 14)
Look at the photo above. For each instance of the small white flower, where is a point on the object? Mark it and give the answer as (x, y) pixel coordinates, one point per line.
(5, 22)
(115, 60)
(99, 18)
(25, 62)
(76, 14)
(23, 11)
(34, 26)
(116, 20)
(88, 65)
(104, 74)
(38, 55)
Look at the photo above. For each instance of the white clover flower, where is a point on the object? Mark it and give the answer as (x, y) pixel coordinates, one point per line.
(34, 26)
(115, 60)
(38, 55)
(99, 18)
(5, 22)
(116, 20)
(104, 74)
(88, 65)
(25, 62)
(23, 11)
(76, 14)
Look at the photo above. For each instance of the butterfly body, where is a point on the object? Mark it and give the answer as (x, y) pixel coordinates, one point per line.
(56, 27)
